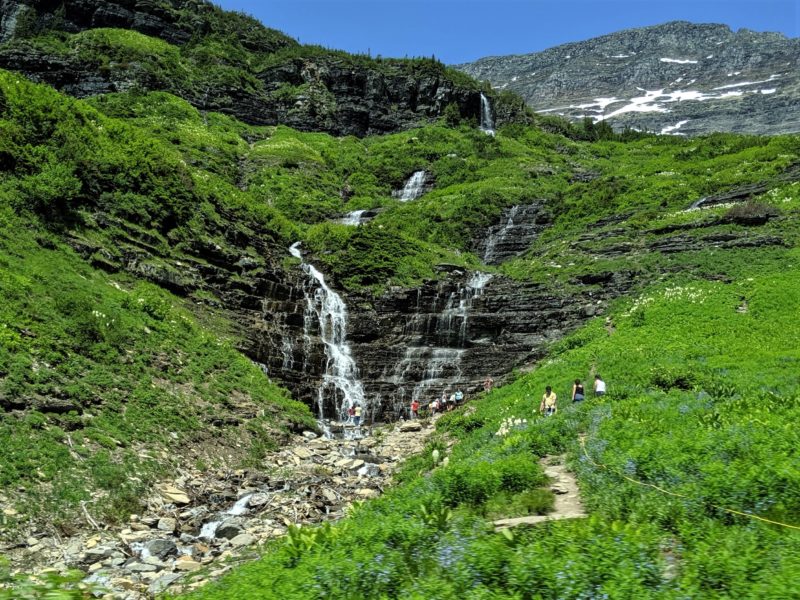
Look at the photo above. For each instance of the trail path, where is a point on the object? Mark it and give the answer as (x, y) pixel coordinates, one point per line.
(568, 503)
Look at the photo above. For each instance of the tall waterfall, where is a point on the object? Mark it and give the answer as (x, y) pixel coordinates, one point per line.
(414, 187)
(325, 307)
(487, 121)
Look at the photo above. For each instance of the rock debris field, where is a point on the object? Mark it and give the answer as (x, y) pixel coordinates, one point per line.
(209, 521)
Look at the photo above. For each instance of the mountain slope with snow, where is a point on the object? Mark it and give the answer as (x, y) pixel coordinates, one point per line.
(678, 78)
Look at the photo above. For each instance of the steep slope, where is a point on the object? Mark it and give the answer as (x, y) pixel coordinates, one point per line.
(229, 62)
(679, 78)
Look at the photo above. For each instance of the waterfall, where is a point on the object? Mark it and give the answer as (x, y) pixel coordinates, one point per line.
(497, 237)
(326, 307)
(441, 364)
(353, 218)
(414, 187)
(487, 122)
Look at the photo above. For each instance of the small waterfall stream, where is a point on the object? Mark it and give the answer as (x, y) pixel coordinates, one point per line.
(487, 121)
(353, 218)
(340, 385)
(498, 237)
(414, 187)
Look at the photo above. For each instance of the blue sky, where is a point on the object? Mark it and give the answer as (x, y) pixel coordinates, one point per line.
(463, 30)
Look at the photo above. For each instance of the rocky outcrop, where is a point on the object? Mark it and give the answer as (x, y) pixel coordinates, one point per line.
(679, 78)
(174, 21)
(513, 234)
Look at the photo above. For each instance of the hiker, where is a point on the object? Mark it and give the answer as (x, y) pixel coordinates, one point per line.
(577, 391)
(459, 397)
(599, 386)
(357, 415)
(548, 406)
(488, 383)
(415, 409)
(351, 412)
(434, 407)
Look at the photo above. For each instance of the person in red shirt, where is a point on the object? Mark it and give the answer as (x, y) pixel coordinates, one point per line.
(414, 409)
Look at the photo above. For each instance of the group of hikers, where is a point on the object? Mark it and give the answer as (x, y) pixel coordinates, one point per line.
(444, 404)
(549, 404)
(447, 402)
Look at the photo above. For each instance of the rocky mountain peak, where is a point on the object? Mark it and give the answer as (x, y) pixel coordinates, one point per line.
(677, 77)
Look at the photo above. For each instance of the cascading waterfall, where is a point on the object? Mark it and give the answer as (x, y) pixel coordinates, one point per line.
(326, 307)
(487, 121)
(414, 187)
(442, 365)
(497, 237)
(353, 218)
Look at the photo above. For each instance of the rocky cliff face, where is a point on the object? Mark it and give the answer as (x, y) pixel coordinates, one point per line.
(308, 88)
(678, 78)
(174, 21)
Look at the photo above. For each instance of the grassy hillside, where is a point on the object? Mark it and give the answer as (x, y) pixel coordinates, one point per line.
(703, 400)
(101, 374)
(102, 377)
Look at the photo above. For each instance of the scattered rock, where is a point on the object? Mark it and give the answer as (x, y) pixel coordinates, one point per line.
(137, 567)
(163, 582)
(243, 539)
(410, 426)
(167, 524)
(161, 548)
(186, 564)
(173, 494)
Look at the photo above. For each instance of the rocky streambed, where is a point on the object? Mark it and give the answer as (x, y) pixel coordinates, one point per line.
(197, 525)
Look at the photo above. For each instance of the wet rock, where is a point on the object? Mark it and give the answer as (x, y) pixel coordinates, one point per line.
(228, 529)
(161, 548)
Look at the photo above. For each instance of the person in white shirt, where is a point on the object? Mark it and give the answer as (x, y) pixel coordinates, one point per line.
(599, 386)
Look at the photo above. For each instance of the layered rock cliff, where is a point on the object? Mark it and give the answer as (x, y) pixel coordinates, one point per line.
(230, 63)
(679, 78)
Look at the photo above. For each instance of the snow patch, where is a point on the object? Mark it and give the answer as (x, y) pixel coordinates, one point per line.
(769, 91)
(747, 83)
(672, 129)
(678, 61)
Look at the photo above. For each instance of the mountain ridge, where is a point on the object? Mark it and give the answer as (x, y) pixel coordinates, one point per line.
(676, 77)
